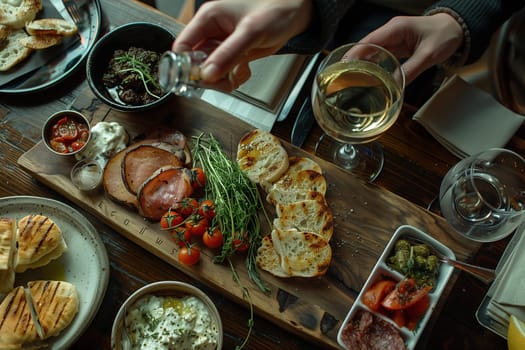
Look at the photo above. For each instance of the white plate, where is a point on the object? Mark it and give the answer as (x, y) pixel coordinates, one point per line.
(382, 269)
(85, 264)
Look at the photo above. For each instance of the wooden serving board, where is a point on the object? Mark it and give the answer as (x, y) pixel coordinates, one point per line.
(365, 217)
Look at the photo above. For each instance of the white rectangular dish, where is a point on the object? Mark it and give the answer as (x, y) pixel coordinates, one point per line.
(382, 270)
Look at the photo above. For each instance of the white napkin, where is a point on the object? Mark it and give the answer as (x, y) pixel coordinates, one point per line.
(508, 289)
(466, 119)
(272, 79)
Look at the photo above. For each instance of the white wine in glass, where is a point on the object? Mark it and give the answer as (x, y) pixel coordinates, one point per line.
(355, 100)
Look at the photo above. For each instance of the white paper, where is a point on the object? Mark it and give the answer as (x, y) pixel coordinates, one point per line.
(272, 79)
(250, 113)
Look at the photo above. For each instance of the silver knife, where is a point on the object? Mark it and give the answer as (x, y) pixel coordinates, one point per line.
(303, 123)
(59, 6)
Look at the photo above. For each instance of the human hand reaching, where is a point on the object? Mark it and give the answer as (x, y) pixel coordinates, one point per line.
(423, 40)
(235, 32)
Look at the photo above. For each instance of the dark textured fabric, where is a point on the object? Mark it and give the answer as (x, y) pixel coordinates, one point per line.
(482, 17)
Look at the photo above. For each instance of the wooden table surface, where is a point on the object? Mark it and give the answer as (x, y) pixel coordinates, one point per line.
(414, 166)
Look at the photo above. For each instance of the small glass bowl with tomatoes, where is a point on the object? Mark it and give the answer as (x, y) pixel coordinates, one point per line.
(66, 132)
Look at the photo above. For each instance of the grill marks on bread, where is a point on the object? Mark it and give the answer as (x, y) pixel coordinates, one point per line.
(56, 304)
(39, 241)
(48, 306)
(16, 324)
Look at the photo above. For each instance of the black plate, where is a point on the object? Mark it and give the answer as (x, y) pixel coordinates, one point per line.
(64, 62)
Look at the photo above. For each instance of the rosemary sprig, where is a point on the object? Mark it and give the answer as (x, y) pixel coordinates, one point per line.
(237, 201)
(140, 68)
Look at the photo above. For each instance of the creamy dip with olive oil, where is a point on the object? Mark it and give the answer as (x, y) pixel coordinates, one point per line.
(156, 322)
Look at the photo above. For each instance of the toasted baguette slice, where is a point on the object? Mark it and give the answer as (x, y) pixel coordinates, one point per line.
(303, 180)
(303, 254)
(308, 215)
(56, 304)
(7, 254)
(261, 156)
(4, 32)
(13, 52)
(39, 42)
(51, 26)
(268, 259)
(278, 196)
(39, 241)
(17, 13)
(296, 164)
(17, 326)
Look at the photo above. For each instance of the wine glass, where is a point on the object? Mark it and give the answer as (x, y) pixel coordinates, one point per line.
(357, 95)
(483, 196)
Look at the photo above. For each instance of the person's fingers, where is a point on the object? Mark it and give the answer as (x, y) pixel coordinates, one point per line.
(414, 66)
(232, 80)
(209, 22)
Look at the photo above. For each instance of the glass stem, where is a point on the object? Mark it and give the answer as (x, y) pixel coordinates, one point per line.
(349, 155)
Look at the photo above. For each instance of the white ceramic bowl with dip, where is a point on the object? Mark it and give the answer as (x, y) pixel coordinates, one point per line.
(175, 291)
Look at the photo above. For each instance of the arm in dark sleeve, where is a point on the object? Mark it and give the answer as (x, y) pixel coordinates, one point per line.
(327, 16)
(481, 19)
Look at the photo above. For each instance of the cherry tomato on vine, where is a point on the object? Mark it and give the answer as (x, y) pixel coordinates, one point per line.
(181, 236)
(170, 219)
(207, 209)
(197, 225)
(198, 178)
(212, 238)
(189, 254)
(187, 206)
(241, 242)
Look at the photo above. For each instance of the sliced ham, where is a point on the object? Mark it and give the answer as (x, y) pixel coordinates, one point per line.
(114, 185)
(142, 161)
(166, 187)
(177, 140)
(113, 179)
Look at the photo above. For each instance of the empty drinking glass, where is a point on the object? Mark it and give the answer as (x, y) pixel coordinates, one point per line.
(483, 196)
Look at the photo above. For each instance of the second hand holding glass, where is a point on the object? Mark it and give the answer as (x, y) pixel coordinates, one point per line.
(357, 95)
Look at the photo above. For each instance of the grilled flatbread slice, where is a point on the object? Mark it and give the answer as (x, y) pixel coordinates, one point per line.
(16, 13)
(7, 254)
(17, 326)
(51, 26)
(261, 156)
(268, 259)
(56, 304)
(39, 241)
(12, 51)
(40, 311)
(307, 215)
(303, 254)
